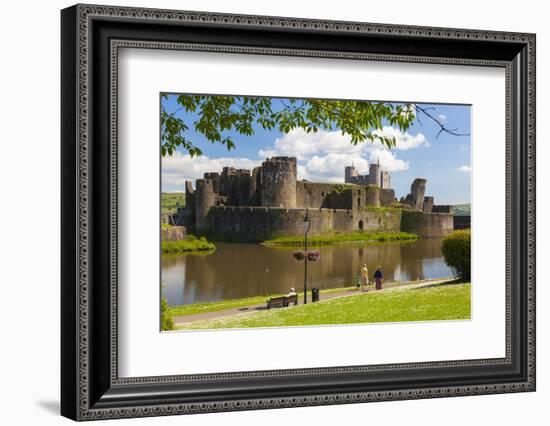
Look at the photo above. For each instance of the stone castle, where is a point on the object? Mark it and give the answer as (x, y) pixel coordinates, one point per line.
(376, 176)
(269, 202)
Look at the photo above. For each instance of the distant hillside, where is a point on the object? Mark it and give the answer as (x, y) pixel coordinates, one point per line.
(462, 209)
(169, 201)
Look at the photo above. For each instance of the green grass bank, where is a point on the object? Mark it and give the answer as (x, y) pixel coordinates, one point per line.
(201, 308)
(352, 237)
(191, 244)
(431, 303)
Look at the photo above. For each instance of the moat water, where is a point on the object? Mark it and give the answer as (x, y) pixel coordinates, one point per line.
(235, 271)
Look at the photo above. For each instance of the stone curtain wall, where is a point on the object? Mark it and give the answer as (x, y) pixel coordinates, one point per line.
(427, 225)
(256, 224)
(378, 220)
(319, 195)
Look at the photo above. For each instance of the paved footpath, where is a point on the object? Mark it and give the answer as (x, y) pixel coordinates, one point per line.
(180, 320)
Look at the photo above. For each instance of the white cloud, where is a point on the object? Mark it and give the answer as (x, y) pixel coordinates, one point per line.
(403, 141)
(303, 145)
(330, 167)
(464, 169)
(442, 117)
(323, 155)
(178, 168)
(388, 161)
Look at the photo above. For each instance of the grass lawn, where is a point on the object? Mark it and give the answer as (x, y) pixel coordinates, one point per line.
(189, 245)
(438, 302)
(201, 308)
(353, 237)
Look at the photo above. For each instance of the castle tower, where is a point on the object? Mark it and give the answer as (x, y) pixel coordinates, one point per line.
(242, 188)
(278, 177)
(215, 178)
(189, 197)
(255, 185)
(205, 198)
(375, 177)
(227, 182)
(351, 174)
(373, 196)
(418, 189)
(428, 204)
(385, 180)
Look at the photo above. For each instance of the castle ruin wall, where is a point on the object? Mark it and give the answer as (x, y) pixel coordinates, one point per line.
(387, 197)
(256, 224)
(427, 225)
(318, 195)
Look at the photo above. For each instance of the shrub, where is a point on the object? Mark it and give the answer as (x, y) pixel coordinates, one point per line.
(166, 321)
(456, 250)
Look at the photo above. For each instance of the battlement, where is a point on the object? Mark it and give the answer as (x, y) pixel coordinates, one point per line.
(268, 201)
(376, 176)
(281, 159)
(203, 183)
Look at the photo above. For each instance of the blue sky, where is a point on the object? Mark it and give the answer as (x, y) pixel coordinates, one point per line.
(322, 156)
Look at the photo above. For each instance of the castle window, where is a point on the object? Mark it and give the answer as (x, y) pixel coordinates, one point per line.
(358, 201)
(361, 225)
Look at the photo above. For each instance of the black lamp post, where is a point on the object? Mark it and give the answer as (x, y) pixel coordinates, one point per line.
(307, 225)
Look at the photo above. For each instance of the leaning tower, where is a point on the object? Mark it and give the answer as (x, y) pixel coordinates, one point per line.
(418, 189)
(278, 182)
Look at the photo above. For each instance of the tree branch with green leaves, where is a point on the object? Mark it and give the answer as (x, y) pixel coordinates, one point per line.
(217, 116)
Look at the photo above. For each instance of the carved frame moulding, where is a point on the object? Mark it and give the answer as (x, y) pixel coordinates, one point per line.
(92, 37)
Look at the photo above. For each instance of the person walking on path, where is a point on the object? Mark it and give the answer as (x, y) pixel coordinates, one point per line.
(378, 277)
(364, 276)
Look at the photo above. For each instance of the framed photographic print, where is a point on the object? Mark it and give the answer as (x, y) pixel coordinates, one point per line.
(263, 212)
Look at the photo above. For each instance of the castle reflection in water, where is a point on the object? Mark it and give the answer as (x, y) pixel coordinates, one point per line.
(244, 270)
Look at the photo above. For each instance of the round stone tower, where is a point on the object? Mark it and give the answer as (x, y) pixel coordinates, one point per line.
(205, 197)
(373, 195)
(374, 174)
(278, 178)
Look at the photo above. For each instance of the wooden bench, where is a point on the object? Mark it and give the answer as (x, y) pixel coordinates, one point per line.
(282, 301)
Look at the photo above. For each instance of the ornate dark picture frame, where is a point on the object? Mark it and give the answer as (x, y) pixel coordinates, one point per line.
(91, 37)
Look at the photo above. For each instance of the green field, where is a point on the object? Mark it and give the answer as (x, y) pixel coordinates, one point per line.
(169, 201)
(352, 237)
(436, 302)
(462, 209)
